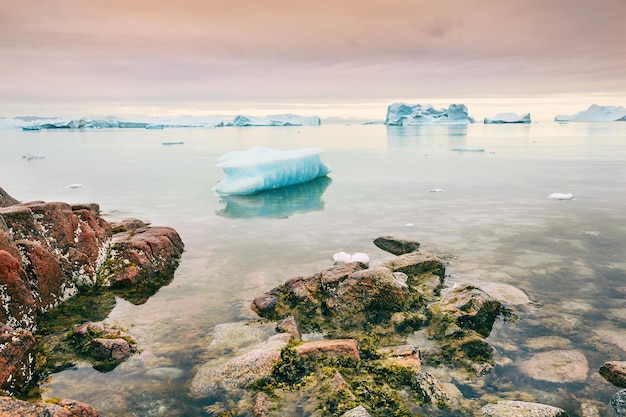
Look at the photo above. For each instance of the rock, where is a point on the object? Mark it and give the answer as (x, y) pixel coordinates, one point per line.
(17, 358)
(334, 347)
(617, 404)
(261, 405)
(430, 389)
(507, 294)
(375, 289)
(140, 255)
(17, 304)
(614, 372)
(236, 373)
(128, 225)
(589, 409)
(467, 308)
(359, 411)
(110, 349)
(290, 326)
(6, 200)
(417, 266)
(521, 409)
(406, 355)
(92, 207)
(103, 342)
(396, 246)
(11, 407)
(558, 366)
(303, 296)
(166, 373)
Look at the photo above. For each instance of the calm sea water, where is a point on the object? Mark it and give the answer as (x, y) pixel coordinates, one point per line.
(492, 218)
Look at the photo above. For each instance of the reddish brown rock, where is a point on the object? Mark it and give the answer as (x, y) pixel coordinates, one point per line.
(11, 407)
(614, 372)
(17, 357)
(142, 253)
(110, 349)
(17, 305)
(334, 347)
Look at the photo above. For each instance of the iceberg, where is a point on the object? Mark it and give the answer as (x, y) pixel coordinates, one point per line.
(261, 168)
(113, 123)
(596, 113)
(344, 258)
(502, 118)
(561, 196)
(400, 114)
(275, 120)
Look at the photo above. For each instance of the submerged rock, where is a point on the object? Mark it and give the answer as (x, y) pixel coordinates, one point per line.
(558, 366)
(614, 372)
(617, 404)
(11, 407)
(521, 409)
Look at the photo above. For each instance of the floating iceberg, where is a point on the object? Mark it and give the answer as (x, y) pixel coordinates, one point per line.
(561, 196)
(400, 114)
(468, 149)
(502, 118)
(596, 113)
(260, 168)
(275, 120)
(113, 123)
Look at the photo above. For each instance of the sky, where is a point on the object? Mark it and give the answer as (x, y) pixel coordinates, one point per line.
(165, 56)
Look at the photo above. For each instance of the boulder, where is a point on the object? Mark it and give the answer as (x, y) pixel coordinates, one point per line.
(614, 372)
(140, 255)
(374, 289)
(102, 342)
(359, 411)
(240, 371)
(334, 347)
(17, 304)
(617, 404)
(396, 246)
(17, 358)
(521, 409)
(559, 366)
(11, 407)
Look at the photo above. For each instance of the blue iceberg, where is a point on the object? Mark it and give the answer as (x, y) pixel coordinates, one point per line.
(504, 118)
(275, 120)
(258, 169)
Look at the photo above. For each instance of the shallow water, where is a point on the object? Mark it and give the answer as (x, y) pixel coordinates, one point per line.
(492, 220)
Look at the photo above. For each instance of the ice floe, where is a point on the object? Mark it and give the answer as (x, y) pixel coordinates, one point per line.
(400, 114)
(261, 168)
(561, 196)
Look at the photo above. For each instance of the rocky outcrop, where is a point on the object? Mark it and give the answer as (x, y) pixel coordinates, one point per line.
(49, 252)
(614, 372)
(521, 409)
(10, 407)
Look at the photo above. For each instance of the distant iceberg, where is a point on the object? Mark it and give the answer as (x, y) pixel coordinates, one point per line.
(260, 168)
(400, 114)
(502, 118)
(275, 120)
(596, 113)
(112, 123)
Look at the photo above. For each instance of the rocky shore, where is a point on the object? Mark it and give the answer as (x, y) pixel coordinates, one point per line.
(383, 340)
(50, 253)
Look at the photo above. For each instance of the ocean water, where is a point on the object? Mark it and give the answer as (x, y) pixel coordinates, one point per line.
(491, 219)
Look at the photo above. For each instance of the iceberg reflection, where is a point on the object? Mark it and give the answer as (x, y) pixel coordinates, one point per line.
(278, 203)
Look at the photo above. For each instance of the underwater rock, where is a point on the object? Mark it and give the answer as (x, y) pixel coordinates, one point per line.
(558, 366)
(617, 404)
(614, 372)
(430, 389)
(396, 246)
(103, 344)
(507, 294)
(521, 409)
(11, 407)
(236, 373)
(359, 411)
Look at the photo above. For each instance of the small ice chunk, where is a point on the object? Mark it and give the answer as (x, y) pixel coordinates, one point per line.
(468, 149)
(260, 168)
(435, 190)
(74, 185)
(561, 196)
(344, 258)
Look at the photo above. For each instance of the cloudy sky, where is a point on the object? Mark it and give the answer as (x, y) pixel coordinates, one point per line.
(165, 53)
